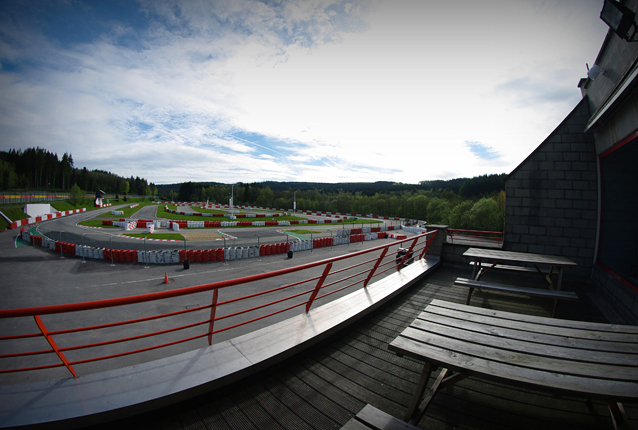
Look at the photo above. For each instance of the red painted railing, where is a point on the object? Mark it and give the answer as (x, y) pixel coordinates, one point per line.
(487, 237)
(72, 346)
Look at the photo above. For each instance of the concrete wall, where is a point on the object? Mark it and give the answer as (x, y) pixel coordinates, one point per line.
(37, 209)
(552, 197)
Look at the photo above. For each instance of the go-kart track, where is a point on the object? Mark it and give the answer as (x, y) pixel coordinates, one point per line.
(35, 276)
(268, 236)
(102, 313)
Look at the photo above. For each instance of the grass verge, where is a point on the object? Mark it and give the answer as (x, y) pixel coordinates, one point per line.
(167, 236)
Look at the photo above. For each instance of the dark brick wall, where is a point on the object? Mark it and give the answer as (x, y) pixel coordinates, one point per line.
(552, 197)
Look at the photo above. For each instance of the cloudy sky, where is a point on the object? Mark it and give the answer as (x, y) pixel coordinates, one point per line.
(317, 90)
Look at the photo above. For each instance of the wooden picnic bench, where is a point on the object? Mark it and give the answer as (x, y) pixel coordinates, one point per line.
(516, 290)
(589, 360)
(484, 260)
(515, 261)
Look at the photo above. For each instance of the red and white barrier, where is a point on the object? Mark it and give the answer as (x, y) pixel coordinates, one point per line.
(28, 221)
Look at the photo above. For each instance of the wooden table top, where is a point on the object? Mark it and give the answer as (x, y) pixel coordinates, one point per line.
(522, 257)
(592, 359)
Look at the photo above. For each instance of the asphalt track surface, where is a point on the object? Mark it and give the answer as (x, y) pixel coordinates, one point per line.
(33, 276)
(66, 229)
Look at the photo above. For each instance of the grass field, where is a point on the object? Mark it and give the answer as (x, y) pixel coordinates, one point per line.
(161, 212)
(96, 223)
(128, 211)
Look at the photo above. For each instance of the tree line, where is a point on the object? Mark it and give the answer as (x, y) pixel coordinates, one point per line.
(37, 168)
(474, 204)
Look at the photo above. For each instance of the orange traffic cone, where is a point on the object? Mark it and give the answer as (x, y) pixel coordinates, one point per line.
(166, 281)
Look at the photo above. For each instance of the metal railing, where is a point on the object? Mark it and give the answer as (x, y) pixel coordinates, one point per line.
(490, 238)
(67, 340)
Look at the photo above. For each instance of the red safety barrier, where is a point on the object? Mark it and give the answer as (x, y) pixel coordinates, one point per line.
(182, 255)
(220, 254)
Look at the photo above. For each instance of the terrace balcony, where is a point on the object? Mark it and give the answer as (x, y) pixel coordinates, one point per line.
(326, 385)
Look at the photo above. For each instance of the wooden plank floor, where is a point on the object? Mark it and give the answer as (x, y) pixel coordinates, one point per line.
(325, 387)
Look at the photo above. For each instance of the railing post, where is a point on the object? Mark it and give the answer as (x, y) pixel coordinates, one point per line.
(376, 265)
(407, 254)
(55, 347)
(323, 277)
(428, 241)
(211, 322)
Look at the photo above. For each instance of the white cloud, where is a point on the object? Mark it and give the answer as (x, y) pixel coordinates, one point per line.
(331, 90)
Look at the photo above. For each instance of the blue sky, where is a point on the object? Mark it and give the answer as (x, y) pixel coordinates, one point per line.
(320, 90)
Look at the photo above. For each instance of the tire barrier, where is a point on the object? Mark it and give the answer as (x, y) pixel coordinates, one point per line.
(117, 212)
(397, 236)
(322, 242)
(344, 236)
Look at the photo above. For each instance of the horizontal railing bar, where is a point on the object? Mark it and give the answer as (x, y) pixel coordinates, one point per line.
(20, 336)
(260, 318)
(23, 354)
(150, 348)
(344, 279)
(341, 289)
(126, 339)
(121, 323)
(263, 306)
(294, 284)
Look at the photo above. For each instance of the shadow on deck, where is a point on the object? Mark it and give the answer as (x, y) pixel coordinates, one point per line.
(326, 386)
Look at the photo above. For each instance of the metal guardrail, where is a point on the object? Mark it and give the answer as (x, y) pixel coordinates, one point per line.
(72, 346)
(487, 237)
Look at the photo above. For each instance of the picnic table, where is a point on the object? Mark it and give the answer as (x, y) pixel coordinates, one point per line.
(485, 260)
(589, 360)
(495, 259)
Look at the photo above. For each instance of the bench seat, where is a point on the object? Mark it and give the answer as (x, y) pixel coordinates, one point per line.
(513, 289)
(372, 418)
(520, 269)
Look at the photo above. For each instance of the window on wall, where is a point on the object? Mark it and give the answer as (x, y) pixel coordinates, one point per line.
(618, 240)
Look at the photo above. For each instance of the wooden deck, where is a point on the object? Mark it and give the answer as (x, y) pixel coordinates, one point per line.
(326, 387)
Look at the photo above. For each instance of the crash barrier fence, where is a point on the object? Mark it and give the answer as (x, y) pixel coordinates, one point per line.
(37, 219)
(492, 237)
(66, 340)
(343, 237)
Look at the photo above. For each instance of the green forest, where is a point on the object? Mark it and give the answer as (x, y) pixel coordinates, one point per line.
(470, 203)
(39, 169)
(465, 203)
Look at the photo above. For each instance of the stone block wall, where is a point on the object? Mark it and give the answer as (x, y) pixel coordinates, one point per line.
(552, 197)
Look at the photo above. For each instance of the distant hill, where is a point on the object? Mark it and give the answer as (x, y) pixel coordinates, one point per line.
(365, 188)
